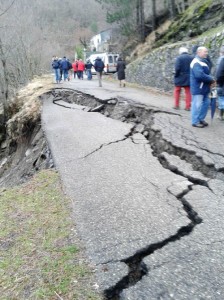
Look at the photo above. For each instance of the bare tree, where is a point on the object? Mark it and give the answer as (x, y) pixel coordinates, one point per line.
(140, 19)
(153, 14)
(32, 31)
(172, 8)
(4, 81)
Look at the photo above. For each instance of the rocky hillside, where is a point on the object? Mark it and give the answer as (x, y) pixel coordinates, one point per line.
(201, 24)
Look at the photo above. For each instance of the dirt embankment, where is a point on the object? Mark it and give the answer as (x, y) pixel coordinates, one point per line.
(24, 150)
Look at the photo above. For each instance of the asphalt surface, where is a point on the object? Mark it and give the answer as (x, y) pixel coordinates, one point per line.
(128, 207)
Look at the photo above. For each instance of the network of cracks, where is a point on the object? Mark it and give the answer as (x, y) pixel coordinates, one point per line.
(142, 117)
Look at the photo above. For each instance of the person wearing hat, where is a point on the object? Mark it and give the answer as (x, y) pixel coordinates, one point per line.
(182, 78)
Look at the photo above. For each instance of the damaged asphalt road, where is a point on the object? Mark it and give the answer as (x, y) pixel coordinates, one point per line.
(147, 192)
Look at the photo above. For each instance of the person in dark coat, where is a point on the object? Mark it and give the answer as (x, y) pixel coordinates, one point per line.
(56, 66)
(220, 82)
(88, 67)
(121, 71)
(99, 67)
(182, 78)
(61, 72)
(65, 67)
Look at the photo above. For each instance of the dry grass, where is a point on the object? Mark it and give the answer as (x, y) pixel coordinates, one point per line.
(40, 255)
(25, 108)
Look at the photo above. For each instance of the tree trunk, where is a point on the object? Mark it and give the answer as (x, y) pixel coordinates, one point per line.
(153, 15)
(172, 8)
(140, 19)
(4, 83)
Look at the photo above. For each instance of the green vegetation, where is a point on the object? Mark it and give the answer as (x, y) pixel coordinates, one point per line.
(79, 52)
(197, 19)
(204, 7)
(40, 255)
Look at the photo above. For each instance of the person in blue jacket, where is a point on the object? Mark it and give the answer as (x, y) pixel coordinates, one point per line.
(56, 66)
(88, 67)
(65, 67)
(200, 83)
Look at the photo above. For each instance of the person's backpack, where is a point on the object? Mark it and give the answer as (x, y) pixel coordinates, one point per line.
(55, 64)
(69, 65)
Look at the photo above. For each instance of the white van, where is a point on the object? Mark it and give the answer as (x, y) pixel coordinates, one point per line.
(109, 59)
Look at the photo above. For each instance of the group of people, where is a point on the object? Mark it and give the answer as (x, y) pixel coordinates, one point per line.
(192, 73)
(64, 69)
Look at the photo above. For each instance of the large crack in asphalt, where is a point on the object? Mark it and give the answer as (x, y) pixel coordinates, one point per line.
(137, 268)
(141, 115)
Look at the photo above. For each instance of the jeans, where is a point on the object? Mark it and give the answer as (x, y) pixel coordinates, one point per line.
(221, 102)
(89, 74)
(80, 74)
(65, 74)
(177, 91)
(57, 75)
(199, 108)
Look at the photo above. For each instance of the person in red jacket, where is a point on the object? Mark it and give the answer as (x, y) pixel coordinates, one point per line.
(81, 68)
(75, 67)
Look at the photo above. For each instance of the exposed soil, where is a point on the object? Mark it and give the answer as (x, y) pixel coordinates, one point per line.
(20, 161)
(24, 150)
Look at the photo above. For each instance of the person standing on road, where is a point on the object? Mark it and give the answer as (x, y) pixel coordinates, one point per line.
(220, 82)
(89, 66)
(61, 72)
(81, 68)
(121, 71)
(200, 82)
(75, 68)
(99, 66)
(182, 78)
(65, 67)
(56, 66)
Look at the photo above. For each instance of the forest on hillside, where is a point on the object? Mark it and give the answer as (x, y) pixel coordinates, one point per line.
(31, 32)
